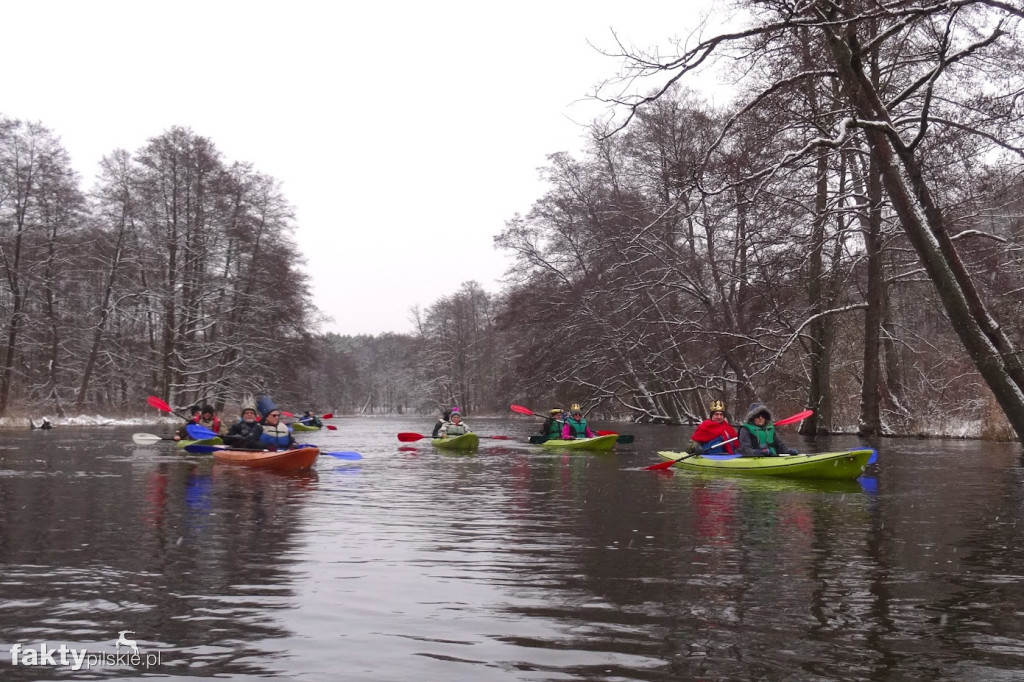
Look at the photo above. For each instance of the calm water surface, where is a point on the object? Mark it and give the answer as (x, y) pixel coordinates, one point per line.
(511, 563)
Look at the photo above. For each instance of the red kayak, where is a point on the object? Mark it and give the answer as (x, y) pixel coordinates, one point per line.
(298, 459)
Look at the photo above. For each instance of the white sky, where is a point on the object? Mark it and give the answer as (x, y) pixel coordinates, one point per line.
(404, 133)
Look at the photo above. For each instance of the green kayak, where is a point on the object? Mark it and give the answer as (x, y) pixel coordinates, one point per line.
(296, 426)
(828, 465)
(205, 441)
(597, 443)
(467, 441)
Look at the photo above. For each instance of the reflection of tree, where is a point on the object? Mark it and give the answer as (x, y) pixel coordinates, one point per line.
(192, 557)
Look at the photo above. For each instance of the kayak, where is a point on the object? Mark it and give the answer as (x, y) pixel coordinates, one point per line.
(597, 443)
(206, 441)
(846, 465)
(296, 426)
(467, 441)
(282, 460)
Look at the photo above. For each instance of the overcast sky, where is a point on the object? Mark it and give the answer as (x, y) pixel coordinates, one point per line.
(404, 133)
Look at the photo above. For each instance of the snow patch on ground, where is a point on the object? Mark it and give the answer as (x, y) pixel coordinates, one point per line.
(85, 420)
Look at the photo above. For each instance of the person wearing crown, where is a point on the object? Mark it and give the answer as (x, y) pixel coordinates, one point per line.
(713, 436)
(575, 425)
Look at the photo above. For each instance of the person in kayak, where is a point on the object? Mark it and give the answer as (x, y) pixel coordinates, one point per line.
(552, 426)
(310, 419)
(709, 435)
(575, 425)
(445, 416)
(245, 433)
(182, 433)
(758, 437)
(275, 435)
(454, 426)
(209, 419)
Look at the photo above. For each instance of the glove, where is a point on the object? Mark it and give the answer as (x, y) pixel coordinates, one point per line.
(764, 452)
(792, 451)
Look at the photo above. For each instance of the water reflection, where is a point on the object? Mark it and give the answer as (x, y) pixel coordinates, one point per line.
(515, 562)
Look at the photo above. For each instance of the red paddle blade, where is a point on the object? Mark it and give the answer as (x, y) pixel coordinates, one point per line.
(286, 413)
(153, 401)
(329, 415)
(330, 427)
(799, 416)
(498, 437)
(407, 437)
(522, 410)
(607, 433)
(661, 466)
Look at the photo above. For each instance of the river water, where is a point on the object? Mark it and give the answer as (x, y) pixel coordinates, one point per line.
(514, 563)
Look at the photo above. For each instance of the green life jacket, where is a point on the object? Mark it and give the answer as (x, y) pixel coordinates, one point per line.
(456, 429)
(764, 436)
(577, 428)
(553, 429)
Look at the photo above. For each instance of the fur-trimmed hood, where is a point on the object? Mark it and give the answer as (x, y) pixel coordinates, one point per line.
(756, 409)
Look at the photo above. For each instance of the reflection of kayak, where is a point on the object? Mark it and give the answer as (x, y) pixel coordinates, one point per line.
(833, 465)
(285, 460)
(296, 426)
(206, 441)
(600, 443)
(466, 441)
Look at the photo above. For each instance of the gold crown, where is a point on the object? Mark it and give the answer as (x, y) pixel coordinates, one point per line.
(575, 407)
(717, 406)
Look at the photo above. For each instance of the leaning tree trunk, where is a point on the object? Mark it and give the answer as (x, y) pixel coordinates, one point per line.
(987, 345)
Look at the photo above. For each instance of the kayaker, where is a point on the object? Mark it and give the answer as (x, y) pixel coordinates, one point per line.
(575, 425)
(758, 437)
(209, 419)
(275, 435)
(445, 416)
(454, 426)
(552, 426)
(194, 413)
(310, 419)
(245, 433)
(709, 435)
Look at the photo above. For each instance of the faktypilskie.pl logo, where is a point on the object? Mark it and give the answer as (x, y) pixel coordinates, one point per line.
(43, 654)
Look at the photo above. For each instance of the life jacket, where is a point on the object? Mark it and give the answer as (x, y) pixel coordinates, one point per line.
(453, 429)
(577, 429)
(552, 428)
(212, 424)
(275, 436)
(764, 436)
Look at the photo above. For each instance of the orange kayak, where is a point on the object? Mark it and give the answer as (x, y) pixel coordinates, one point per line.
(282, 460)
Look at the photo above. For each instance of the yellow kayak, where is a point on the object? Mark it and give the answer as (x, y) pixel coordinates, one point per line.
(597, 443)
(846, 465)
(467, 441)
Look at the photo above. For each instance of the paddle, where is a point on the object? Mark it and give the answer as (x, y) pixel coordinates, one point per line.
(524, 410)
(661, 466)
(147, 438)
(622, 438)
(153, 401)
(210, 449)
(409, 437)
(286, 413)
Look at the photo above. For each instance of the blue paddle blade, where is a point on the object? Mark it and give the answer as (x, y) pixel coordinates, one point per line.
(343, 455)
(199, 432)
(874, 457)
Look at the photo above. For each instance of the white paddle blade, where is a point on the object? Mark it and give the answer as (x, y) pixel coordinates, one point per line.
(145, 438)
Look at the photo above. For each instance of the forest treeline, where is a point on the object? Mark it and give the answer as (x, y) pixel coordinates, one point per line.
(175, 275)
(845, 236)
